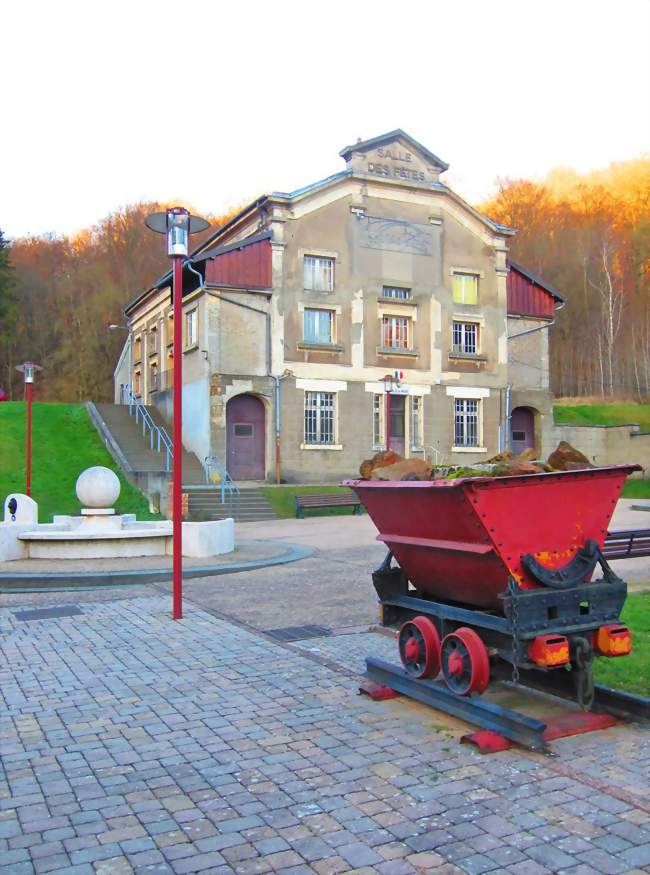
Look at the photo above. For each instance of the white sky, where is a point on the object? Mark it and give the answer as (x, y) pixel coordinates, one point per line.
(265, 94)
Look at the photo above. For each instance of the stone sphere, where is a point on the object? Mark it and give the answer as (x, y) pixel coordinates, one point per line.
(98, 487)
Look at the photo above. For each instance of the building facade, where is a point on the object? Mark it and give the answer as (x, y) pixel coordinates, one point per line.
(298, 308)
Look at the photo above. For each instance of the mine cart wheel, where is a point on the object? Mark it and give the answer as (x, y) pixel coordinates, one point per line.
(419, 648)
(465, 662)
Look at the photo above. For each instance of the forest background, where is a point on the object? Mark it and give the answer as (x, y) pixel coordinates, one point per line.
(588, 235)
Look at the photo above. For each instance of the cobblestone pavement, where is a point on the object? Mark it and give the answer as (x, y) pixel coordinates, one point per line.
(135, 744)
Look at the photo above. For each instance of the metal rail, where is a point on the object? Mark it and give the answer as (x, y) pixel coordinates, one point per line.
(159, 440)
(216, 474)
(511, 724)
(559, 683)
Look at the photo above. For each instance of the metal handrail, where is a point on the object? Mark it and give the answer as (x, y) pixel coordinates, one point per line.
(217, 473)
(158, 437)
(436, 456)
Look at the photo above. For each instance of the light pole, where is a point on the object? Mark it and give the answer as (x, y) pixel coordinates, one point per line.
(28, 369)
(177, 224)
(115, 327)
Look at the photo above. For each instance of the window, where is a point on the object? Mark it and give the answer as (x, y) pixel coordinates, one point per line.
(466, 413)
(137, 349)
(319, 417)
(137, 379)
(318, 326)
(395, 332)
(465, 288)
(417, 438)
(378, 420)
(396, 292)
(465, 337)
(153, 340)
(191, 333)
(319, 273)
(153, 377)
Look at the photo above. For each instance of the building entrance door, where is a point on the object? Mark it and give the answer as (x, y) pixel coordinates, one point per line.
(245, 438)
(398, 423)
(522, 429)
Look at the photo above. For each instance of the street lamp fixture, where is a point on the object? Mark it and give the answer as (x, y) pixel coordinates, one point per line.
(177, 224)
(28, 369)
(391, 382)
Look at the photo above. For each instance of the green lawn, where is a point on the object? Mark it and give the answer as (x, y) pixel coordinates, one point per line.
(631, 673)
(603, 414)
(281, 499)
(610, 414)
(64, 443)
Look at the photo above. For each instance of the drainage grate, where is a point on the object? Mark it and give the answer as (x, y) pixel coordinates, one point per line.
(298, 633)
(48, 613)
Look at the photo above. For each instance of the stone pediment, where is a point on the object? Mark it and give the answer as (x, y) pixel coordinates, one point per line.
(395, 156)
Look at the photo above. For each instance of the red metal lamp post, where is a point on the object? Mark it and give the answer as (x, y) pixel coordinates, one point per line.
(177, 224)
(28, 369)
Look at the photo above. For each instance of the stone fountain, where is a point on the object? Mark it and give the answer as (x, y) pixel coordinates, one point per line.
(99, 532)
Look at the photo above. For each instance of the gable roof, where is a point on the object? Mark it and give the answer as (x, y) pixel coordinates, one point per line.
(390, 137)
(537, 280)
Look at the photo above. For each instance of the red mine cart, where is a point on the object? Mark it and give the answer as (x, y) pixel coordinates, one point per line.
(494, 580)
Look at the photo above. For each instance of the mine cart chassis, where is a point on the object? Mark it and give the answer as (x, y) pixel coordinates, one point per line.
(561, 607)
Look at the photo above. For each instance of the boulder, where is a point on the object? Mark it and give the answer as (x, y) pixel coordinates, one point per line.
(405, 469)
(566, 458)
(379, 460)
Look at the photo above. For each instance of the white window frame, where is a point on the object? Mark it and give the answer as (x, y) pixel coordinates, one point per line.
(462, 339)
(464, 275)
(416, 422)
(405, 328)
(319, 406)
(319, 315)
(318, 273)
(468, 413)
(386, 292)
(379, 421)
(191, 328)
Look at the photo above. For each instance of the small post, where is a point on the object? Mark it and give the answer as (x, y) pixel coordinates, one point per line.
(28, 369)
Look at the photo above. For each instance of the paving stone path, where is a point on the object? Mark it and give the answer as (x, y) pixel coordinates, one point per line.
(133, 744)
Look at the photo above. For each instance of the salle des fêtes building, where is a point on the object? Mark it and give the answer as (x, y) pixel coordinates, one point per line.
(298, 307)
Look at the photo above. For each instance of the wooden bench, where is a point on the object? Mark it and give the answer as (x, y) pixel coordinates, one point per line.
(629, 544)
(327, 499)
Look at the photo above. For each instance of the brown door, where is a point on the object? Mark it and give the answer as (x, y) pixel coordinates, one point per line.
(397, 423)
(245, 438)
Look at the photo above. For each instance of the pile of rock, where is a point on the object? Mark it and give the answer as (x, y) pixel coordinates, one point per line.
(391, 466)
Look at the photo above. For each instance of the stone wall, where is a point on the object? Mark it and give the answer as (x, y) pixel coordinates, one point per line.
(607, 444)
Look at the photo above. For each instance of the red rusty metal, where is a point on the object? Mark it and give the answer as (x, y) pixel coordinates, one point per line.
(419, 648)
(247, 266)
(465, 662)
(561, 726)
(547, 651)
(613, 640)
(460, 540)
(526, 298)
(378, 692)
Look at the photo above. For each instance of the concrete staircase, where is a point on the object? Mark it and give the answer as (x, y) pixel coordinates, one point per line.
(249, 506)
(135, 448)
(147, 468)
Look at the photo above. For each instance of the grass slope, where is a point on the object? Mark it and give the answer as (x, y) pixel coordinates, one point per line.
(610, 414)
(631, 673)
(603, 414)
(64, 443)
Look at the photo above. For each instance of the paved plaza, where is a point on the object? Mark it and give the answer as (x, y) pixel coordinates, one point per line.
(135, 744)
